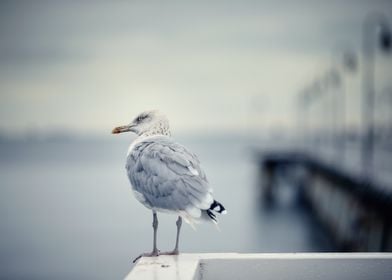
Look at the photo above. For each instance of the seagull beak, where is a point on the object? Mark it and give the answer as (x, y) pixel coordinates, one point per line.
(124, 128)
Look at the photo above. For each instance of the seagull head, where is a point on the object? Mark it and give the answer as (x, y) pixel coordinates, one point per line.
(147, 123)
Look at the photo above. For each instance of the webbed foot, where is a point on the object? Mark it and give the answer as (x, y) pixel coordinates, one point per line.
(154, 253)
(170, 253)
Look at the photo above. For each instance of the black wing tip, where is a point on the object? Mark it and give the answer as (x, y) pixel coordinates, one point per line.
(211, 215)
(218, 207)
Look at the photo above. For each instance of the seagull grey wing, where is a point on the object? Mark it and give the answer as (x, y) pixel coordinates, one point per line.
(166, 176)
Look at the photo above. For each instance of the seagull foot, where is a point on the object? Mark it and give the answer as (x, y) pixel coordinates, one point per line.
(170, 253)
(152, 254)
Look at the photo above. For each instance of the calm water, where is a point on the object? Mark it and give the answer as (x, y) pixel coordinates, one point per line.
(67, 211)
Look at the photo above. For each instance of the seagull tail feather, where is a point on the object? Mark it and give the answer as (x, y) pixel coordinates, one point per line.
(217, 207)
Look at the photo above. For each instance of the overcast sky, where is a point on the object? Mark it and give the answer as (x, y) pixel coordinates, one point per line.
(216, 65)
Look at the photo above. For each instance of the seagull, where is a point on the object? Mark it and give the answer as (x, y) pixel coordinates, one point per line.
(167, 177)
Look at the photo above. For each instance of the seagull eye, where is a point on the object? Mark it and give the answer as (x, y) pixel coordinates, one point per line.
(141, 118)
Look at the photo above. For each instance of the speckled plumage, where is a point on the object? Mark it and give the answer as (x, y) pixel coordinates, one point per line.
(167, 177)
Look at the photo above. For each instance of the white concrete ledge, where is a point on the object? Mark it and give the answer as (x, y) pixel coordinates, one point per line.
(229, 266)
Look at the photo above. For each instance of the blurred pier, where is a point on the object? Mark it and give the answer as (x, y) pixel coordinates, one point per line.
(354, 210)
(340, 165)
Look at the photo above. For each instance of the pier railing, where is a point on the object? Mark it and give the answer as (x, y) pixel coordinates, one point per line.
(228, 266)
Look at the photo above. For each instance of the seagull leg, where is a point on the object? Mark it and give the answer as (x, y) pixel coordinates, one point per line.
(178, 223)
(175, 251)
(155, 251)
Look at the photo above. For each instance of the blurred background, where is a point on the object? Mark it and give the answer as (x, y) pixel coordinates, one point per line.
(287, 105)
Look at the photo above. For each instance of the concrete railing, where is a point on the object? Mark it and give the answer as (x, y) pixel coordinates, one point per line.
(228, 266)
